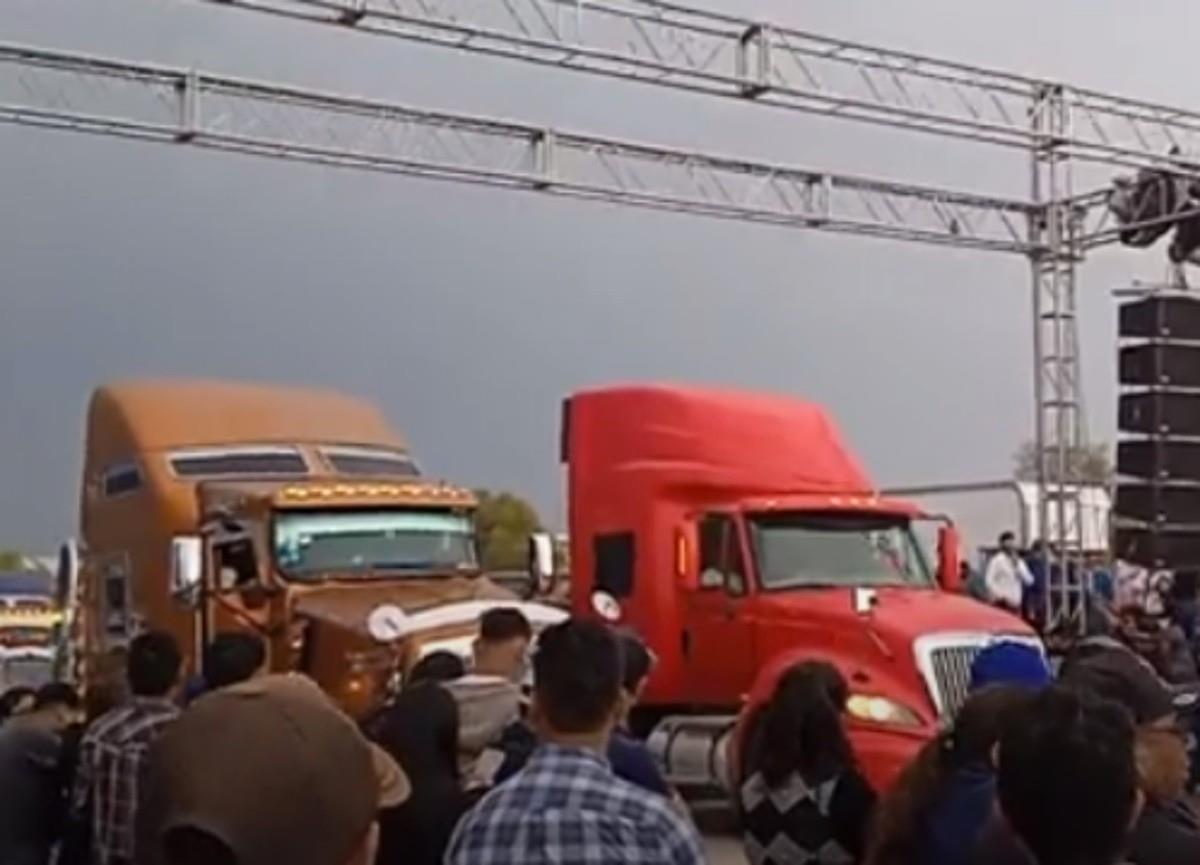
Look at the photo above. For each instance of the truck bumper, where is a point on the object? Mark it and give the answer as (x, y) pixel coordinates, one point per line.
(884, 754)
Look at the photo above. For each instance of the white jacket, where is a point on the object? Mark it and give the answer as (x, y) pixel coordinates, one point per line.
(1006, 579)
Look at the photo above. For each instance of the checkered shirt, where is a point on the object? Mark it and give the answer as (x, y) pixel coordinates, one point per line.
(110, 763)
(566, 807)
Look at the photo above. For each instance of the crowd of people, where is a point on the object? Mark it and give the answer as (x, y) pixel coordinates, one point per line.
(464, 766)
(1087, 768)
(242, 766)
(1156, 613)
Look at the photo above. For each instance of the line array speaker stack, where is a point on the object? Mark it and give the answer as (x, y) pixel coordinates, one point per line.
(1157, 510)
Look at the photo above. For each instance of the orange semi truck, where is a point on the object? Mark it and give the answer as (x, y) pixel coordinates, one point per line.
(738, 535)
(296, 514)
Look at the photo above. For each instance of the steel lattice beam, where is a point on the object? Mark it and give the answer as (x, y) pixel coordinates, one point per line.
(677, 46)
(70, 91)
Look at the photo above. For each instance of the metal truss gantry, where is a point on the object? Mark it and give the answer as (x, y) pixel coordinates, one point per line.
(674, 45)
(137, 100)
(671, 45)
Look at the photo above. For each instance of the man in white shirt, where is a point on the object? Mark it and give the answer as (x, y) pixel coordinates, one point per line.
(1007, 576)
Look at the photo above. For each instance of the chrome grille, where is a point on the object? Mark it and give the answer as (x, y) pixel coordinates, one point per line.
(951, 667)
(945, 661)
(30, 671)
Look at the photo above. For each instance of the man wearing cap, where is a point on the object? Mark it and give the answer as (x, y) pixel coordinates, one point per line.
(1168, 830)
(265, 772)
(566, 806)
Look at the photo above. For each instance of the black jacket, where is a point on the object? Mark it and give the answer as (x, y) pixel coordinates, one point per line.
(417, 832)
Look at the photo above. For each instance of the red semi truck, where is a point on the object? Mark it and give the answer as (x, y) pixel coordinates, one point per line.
(738, 535)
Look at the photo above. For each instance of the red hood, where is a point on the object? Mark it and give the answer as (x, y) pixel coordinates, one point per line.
(900, 614)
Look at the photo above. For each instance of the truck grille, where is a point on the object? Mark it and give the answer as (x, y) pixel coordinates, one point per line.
(952, 676)
(945, 663)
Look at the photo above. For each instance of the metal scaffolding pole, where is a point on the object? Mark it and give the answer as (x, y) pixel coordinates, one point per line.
(1058, 395)
(137, 100)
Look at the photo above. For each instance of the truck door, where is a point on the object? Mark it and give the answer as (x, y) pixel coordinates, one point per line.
(718, 646)
(239, 586)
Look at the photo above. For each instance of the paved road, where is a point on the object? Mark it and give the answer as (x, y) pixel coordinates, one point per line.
(721, 840)
(724, 850)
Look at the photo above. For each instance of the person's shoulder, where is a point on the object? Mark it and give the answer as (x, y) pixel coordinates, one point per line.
(853, 785)
(660, 820)
(480, 814)
(641, 806)
(1161, 836)
(103, 727)
(997, 845)
(632, 761)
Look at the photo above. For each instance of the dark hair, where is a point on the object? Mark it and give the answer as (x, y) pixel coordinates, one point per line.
(57, 694)
(439, 666)
(800, 729)
(153, 664)
(233, 657)
(969, 742)
(420, 729)
(12, 698)
(577, 675)
(636, 661)
(1067, 780)
(1005, 537)
(501, 624)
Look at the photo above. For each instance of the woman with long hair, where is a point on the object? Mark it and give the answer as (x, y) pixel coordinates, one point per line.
(801, 796)
(942, 801)
(420, 730)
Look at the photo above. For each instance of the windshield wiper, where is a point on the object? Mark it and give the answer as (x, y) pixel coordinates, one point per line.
(417, 566)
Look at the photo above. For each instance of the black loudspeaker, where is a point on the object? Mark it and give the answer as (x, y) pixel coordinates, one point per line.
(1159, 503)
(1159, 548)
(1159, 412)
(1157, 506)
(1160, 365)
(1158, 458)
(1164, 317)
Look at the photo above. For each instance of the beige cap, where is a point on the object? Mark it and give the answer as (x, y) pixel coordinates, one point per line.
(274, 770)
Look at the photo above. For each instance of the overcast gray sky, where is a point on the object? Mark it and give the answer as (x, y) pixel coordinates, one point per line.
(469, 313)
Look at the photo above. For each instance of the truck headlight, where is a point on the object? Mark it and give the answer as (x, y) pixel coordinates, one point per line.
(881, 710)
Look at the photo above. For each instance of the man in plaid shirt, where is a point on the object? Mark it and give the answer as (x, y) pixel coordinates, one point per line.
(566, 807)
(114, 749)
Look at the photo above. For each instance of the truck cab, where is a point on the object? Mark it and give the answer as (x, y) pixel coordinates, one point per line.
(739, 535)
(298, 515)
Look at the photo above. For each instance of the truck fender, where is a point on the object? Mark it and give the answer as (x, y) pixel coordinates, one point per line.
(768, 677)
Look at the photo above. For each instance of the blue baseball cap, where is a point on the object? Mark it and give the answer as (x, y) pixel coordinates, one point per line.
(1008, 662)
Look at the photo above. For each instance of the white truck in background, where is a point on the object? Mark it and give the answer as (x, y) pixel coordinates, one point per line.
(982, 511)
(30, 629)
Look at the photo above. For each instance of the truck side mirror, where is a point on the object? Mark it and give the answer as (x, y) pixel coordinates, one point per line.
(949, 573)
(541, 563)
(187, 564)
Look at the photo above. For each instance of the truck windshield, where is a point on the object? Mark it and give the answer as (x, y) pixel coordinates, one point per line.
(309, 544)
(821, 550)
